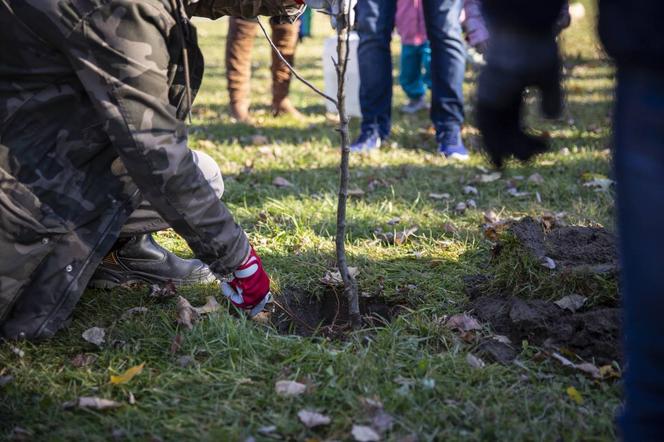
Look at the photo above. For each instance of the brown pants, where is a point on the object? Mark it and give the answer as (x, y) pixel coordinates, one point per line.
(239, 44)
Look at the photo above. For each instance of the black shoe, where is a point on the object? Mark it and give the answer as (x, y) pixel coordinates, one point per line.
(142, 260)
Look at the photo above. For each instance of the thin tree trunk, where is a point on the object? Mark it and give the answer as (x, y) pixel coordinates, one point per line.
(350, 286)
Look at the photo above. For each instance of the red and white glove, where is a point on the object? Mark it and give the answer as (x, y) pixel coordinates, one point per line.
(249, 289)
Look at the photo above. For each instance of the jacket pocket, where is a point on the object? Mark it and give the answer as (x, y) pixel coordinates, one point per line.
(26, 238)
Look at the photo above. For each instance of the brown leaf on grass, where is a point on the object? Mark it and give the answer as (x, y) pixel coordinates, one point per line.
(176, 344)
(186, 314)
(258, 139)
(83, 360)
(463, 322)
(210, 306)
(439, 196)
(460, 207)
(548, 263)
(355, 192)
(513, 191)
(382, 421)
(574, 395)
(395, 220)
(489, 177)
(397, 238)
(536, 178)
(449, 227)
(471, 204)
(549, 220)
(281, 182)
(333, 277)
(94, 335)
(491, 217)
(128, 375)
(470, 190)
(312, 419)
(91, 403)
(585, 367)
(363, 433)
(168, 290)
(599, 184)
(289, 388)
(133, 311)
(571, 302)
(493, 231)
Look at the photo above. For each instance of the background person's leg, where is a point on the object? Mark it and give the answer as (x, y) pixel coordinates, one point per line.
(639, 168)
(410, 71)
(426, 63)
(239, 44)
(285, 36)
(375, 21)
(448, 63)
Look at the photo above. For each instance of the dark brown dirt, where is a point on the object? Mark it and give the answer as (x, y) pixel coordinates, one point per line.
(593, 334)
(572, 248)
(325, 313)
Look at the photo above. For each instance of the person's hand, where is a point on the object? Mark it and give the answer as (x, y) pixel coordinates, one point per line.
(249, 289)
(514, 62)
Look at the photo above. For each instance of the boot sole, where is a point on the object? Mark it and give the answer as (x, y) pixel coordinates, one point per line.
(111, 280)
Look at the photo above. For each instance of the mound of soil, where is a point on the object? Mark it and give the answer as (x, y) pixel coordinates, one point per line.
(325, 313)
(593, 334)
(572, 248)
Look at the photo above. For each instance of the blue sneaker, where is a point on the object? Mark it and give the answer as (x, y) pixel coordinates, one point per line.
(367, 141)
(451, 145)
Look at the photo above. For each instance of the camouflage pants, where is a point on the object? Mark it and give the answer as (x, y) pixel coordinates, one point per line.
(145, 218)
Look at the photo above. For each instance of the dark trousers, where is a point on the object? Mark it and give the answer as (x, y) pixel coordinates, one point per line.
(375, 21)
(639, 168)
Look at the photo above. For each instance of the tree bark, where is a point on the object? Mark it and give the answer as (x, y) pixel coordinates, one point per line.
(350, 286)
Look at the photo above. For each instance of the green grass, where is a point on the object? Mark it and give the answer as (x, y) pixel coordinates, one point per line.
(228, 393)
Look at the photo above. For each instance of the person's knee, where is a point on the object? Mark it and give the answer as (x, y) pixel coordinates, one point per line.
(374, 23)
(210, 170)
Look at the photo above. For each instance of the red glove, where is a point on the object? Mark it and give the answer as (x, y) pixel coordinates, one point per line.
(249, 288)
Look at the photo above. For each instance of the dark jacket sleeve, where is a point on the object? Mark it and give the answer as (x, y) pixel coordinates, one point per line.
(121, 56)
(526, 16)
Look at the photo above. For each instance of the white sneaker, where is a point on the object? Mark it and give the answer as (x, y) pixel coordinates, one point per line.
(416, 105)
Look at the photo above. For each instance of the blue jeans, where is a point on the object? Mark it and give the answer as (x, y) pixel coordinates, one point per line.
(375, 21)
(639, 168)
(415, 69)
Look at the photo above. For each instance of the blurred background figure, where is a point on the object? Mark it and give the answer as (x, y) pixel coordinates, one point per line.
(375, 21)
(415, 64)
(239, 44)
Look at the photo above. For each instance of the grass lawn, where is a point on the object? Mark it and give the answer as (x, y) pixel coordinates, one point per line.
(414, 365)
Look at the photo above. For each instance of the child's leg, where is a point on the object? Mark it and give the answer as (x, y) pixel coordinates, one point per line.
(410, 75)
(426, 63)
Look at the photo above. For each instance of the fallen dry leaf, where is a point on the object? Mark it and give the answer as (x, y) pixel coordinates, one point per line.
(17, 351)
(258, 139)
(439, 196)
(470, 190)
(585, 367)
(289, 388)
(312, 419)
(599, 184)
(463, 322)
(492, 231)
(168, 290)
(460, 207)
(281, 182)
(490, 177)
(395, 220)
(397, 238)
(574, 395)
(128, 375)
(131, 398)
(333, 277)
(382, 421)
(502, 339)
(548, 263)
(356, 192)
(450, 227)
(471, 204)
(362, 433)
(268, 429)
(207, 144)
(474, 361)
(536, 178)
(133, 311)
(83, 360)
(210, 306)
(513, 191)
(92, 403)
(176, 344)
(571, 302)
(186, 315)
(94, 335)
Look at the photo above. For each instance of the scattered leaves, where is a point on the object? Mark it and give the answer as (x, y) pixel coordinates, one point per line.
(289, 388)
(168, 290)
(463, 322)
(574, 395)
(474, 361)
(571, 302)
(210, 306)
(362, 433)
(92, 403)
(281, 182)
(94, 335)
(186, 314)
(83, 360)
(128, 375)
(333, 277)
(491, 217)
(312, 419)
(397, 238)
(585, 367)
(449, 227)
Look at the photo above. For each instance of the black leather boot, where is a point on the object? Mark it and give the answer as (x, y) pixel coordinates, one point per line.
(141, 260)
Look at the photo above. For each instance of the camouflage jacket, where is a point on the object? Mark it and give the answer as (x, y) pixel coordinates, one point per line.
(91, 122)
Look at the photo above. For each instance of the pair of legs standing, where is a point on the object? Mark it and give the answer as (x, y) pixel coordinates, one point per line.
(415, 75)
(375, 22)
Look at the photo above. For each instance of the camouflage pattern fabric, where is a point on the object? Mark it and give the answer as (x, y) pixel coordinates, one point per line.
(91, 124)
